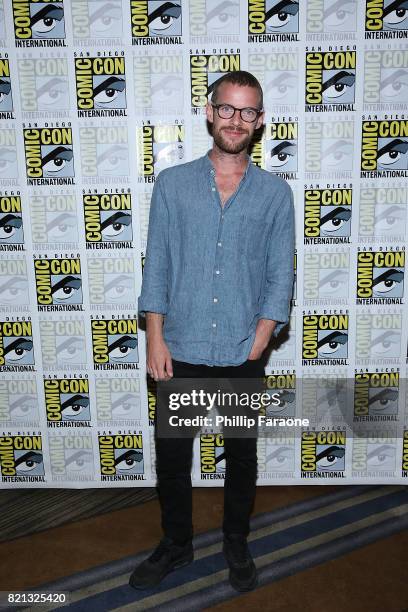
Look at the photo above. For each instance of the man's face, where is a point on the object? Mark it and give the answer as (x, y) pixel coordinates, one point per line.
(234, 135)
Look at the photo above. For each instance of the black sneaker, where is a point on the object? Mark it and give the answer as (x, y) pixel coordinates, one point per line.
(167, 557)
(242, 575)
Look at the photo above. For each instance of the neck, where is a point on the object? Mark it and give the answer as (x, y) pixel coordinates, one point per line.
(228, 162)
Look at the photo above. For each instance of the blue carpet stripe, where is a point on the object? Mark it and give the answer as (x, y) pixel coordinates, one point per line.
(121, 566)
(211, 596)
(122, 595)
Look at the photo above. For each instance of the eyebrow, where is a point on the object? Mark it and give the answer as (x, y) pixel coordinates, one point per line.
(337, 336)
(284, 4)
(52, 12)
(108, 84)
(346, 78)
(162, 9)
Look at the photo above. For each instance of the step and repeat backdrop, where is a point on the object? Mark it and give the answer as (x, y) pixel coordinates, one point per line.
(96, 98)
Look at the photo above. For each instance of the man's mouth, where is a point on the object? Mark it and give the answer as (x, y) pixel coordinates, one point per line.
(234, 132)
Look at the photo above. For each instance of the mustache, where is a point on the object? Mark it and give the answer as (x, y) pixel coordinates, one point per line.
(231, 128)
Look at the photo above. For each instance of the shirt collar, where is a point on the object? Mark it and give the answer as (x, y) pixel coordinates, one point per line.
(209, 165)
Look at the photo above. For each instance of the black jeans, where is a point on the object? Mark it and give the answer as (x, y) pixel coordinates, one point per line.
(174, 460)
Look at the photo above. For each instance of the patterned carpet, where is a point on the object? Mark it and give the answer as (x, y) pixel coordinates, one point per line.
(283, 542)
(55, 507)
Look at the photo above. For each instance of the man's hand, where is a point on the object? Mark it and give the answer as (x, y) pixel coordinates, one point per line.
(263, 334)
(158, 360)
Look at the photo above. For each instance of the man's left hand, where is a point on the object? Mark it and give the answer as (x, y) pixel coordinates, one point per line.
(263, 334)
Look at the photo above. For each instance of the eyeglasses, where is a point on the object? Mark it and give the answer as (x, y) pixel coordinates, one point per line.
(226, 111)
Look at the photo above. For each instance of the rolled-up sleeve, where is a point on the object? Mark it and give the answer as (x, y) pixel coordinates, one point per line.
(275, 302)
(154, 292)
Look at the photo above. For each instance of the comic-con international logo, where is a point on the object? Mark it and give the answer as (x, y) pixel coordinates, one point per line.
(96, 23)
(39, 24)
(117, 401)
(327, 216)
(159, 147)
(16, 346)
(325, 339)
(44, 87)
(323, 454)
(380, 277)
(383, 214)
(277, 151)
(156, 22)
(121, 457)
(14, 295)
(325, 396)
(104, 154)
(49, 156)
(378, 338)
(19, 403)
(6, 96)
(67, 402)
(285, 385)
(71, 456)
(384, 148)
(385, 79)
(212, 456)
(63, 345)
(54, 221)
(58, 283)
(386, 19)
(273, 20)
(101, 86)
(214, 21)
(333, 17)
(205, 70)
(8, 166)
(108, 220)
(158, 83)
(111, 282)
(278, 75)
(21, 458)
(330, 81)
(151, 399)
(405, 454)
(11, 223)
(276, 456)
(115, 344)
(329, 148)
(374, 453)
(326, 277)
(376, 396)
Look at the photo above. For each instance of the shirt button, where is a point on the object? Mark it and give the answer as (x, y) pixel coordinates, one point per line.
(219, 243)
(217, 271)
(212, 188)
(215, 300)
(214, 325)
(222, 216)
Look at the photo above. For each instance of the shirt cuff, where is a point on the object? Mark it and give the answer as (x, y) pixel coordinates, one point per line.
(281, 318)
(146, 305)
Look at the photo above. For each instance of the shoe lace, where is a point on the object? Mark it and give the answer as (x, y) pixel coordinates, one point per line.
(161, 550)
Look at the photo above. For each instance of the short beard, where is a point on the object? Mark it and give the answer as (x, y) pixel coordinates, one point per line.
(230, 147)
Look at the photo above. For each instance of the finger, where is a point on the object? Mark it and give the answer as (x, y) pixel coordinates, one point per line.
(169, 366)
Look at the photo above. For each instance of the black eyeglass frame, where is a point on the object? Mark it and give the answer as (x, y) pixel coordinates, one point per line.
(258, 111)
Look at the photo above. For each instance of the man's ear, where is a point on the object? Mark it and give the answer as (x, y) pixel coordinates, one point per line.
(260, 120)
(209, 112)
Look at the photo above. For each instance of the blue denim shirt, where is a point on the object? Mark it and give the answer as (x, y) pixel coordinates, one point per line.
(213, 271)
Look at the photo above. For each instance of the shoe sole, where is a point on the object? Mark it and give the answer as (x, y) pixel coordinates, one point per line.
(178, 565)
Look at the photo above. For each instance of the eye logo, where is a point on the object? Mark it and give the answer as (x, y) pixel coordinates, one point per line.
(101, 84)
(6, 98)
(327, 215)
(108, 218)
(336, 16)
(16, 344)
(323, 452)
(58, 281)
(38, 21)
(281, 147)
(156, 19)
(380, 275)
(121, 456)
(97, 19)
(49, 154)
(325, 339)
(161, 146)
(272, 17)
(388, 15)
(330, 80)
(115, 343)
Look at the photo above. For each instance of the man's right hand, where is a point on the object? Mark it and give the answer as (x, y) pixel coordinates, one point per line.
(159, 364)
(158, 358)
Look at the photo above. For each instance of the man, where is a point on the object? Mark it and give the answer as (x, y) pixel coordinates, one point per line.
(217, 284)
